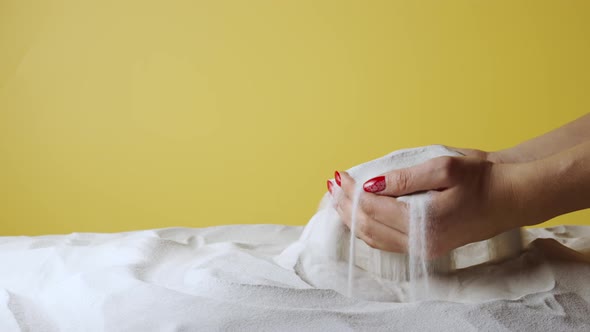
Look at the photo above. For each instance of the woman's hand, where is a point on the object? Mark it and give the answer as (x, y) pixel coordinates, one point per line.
(472, 199)
(479, 195)
(495, 156)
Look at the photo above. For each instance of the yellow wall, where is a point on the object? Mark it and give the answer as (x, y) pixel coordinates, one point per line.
(120, 115)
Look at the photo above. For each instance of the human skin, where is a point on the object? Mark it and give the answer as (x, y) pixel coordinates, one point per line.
(562, 138)
(477, 196)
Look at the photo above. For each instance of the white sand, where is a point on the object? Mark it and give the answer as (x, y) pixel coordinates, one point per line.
(225, 278)
(281, 278)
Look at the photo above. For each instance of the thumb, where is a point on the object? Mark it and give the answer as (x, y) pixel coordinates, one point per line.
(431, 175)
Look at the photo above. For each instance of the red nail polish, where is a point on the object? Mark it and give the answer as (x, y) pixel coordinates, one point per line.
(337, 177)
(330, 184)
(375, 185)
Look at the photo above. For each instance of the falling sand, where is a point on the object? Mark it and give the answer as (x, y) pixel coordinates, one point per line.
(358, 190)
(418, 269)
(417, 246)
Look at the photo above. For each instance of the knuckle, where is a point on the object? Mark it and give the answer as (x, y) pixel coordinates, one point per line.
(404, 225)
(339, 209)
(367, 207)
(446, 163)
(336, 204)
(368, 236)
(372, 215)
(364, 226)
(345, 221)
(403, 245)
(401, 180)
(447, 167)
(367, 231)
(371, 242)
(399, 245)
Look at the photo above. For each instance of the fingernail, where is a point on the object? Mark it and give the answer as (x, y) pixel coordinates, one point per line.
(375, 185)
(330, 184)
(337, 177)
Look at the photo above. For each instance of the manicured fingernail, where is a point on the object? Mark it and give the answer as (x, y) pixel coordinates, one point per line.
(375, 185)
(330, 184)
(337, 177)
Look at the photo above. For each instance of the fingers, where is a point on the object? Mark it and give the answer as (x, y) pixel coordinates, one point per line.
(385, 210)
(434, 174)
(372, 232)
(347, 184)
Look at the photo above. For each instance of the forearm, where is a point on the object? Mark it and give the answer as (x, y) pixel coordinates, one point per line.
(554, 185)
(560, 139)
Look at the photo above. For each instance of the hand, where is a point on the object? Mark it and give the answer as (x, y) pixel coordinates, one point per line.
(472, 199)
(480, 154)
(494, 156)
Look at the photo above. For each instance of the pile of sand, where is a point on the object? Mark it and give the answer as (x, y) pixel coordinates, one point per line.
(227, 278)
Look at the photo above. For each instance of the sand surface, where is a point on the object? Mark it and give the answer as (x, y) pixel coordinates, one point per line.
(228, 278)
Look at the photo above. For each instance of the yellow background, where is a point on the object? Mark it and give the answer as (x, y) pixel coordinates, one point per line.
(121, 115)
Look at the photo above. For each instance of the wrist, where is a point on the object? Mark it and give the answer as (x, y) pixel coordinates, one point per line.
(526, 182)
(511, 193)
(544, 189)
(503, 157)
